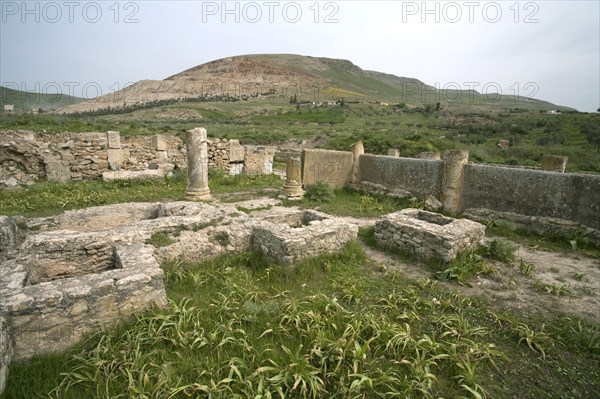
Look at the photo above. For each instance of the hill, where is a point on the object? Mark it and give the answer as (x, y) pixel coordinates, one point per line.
(25, 101)
(318, 79)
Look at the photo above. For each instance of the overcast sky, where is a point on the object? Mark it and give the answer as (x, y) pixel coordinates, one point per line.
(546, 49)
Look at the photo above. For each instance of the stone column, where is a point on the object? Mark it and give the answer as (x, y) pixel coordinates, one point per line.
(357, 149)
(197, 165)
(293, 180)
(452, 179)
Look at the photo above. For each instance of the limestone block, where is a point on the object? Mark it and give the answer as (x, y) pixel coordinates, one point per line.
(433, 156)
(134, 174)
(393, 152)
(114, 139)
(159, 143)
(331, 167)
(236, 151)
(57, 171)
(503, 144)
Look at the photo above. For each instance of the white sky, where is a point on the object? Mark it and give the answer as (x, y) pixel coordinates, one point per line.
(548, 49)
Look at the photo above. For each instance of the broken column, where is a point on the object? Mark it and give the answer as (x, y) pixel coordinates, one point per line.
(452, 179)
(358, 149)
(197, 165)
(293, 180)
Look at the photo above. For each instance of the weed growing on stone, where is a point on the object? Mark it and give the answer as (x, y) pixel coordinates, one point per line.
(160, 239)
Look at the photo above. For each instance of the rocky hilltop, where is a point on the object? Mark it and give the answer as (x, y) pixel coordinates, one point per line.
(319, 79)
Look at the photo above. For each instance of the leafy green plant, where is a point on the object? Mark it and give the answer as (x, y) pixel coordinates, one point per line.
(319, 192)
(502, 250)
(525, 268)
(464, 267)
(537, 341)
(553, 289)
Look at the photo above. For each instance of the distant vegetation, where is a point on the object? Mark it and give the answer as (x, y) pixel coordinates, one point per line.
(411, 129)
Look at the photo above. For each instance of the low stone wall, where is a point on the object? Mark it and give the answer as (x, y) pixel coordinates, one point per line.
(258, 159)
(428, 235)
(54, 315)
(307, 235)
(541, 225)
(568, 196)
(460, 185)
(65, 276)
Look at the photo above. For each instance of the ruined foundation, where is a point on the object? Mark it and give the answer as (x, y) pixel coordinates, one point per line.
(300, 236)
(428, 235)
(66, 276)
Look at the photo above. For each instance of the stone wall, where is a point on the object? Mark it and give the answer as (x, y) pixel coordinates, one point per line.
(289, 241)
(258, 159)
(87, 269)
(54, 315)
(25, 156)
(332, 167)
(419, 176)
(569, 196)
(461, 185)
(428, 235)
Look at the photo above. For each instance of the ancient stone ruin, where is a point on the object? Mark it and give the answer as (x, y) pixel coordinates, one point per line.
(26, 156)
(303, 236)
(428, 235)
(65, 276)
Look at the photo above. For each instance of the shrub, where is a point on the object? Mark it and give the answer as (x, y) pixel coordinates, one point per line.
(319, 192)
(502, 250)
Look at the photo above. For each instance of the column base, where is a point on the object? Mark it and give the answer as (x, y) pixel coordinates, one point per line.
(292, 191)
(199, 195)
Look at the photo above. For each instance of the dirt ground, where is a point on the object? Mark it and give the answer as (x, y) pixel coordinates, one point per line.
(539, 292)
(558, 281)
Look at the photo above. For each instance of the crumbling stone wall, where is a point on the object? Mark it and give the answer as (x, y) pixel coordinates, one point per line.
(54, 315)
(428, 235)
(26, 156)
(258, 159)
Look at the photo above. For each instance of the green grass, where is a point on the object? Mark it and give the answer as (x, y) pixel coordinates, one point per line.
(505, 229)
(330, 327)
(44, 198)
(348, 202)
